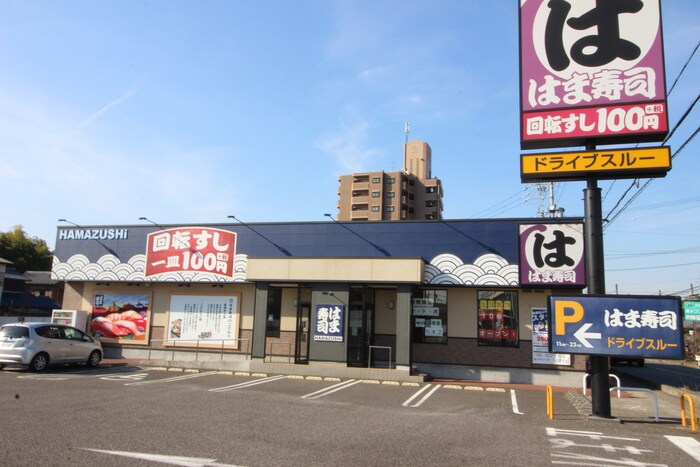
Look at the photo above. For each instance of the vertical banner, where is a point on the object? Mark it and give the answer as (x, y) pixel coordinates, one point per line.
(196, 318)
(540, 341)
(121, 317)
(591, 70)
(329, 323)
(552, 255)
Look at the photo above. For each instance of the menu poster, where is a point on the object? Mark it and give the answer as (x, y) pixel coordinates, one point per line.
(540, 341)
(203, 320)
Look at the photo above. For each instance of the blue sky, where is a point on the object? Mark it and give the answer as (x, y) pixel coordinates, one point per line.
(189, 111)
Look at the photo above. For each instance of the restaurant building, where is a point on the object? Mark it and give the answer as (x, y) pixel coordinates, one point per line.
(413, 298)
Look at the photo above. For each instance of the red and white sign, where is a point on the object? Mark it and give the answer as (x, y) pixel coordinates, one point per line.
(191, 249)
(591, 70)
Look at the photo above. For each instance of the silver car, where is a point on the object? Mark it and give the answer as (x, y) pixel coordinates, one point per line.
(36, 345)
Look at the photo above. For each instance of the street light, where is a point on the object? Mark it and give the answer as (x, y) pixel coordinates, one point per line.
(154, 223)
(280, 248)
(180, 241)
(377, 247)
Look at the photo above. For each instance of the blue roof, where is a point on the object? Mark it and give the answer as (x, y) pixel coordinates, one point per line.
(466, 239)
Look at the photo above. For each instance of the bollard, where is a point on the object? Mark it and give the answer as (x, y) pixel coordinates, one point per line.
(550, 403)
(691, 404)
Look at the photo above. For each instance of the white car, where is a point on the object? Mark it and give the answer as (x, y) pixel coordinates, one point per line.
(37, 345)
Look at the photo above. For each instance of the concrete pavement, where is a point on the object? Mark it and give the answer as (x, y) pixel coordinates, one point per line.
(651, 392)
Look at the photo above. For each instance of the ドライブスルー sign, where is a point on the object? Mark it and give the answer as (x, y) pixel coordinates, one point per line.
(613, 325)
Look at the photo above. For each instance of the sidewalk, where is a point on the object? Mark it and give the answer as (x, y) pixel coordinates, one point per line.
(660, 383)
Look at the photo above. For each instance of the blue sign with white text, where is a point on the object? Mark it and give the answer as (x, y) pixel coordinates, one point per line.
(614, 325)
(329, 323)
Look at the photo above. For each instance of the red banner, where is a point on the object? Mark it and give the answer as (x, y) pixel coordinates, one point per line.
(191, 249)
(595, 122)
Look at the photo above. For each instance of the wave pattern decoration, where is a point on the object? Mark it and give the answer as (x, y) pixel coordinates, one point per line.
(110, 268)
(487, 270)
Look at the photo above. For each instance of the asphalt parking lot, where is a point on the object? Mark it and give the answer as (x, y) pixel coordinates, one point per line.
(120, 414)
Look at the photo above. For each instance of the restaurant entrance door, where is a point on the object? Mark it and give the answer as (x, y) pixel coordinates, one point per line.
(360, 325)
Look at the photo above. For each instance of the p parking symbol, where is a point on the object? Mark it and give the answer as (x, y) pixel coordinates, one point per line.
(566, 312)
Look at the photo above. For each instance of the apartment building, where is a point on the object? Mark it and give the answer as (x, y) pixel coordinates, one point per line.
(409, 194)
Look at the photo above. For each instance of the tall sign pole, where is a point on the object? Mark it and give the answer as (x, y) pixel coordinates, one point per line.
(591, 73)
(595, 278)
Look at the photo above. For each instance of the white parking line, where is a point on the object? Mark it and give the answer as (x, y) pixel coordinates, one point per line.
(690, 445)
(330, 390)
(514, 403)
(164, 459)
(46, 377)
(170, 380)
(418, 393)
(247, 384)
(129, 377)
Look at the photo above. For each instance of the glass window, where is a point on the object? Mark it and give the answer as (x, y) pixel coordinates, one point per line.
(13, 332)
(274, 309)
(429, 316)
(390, 194)
(497, 314)
(49, 332)
(375, 208)
(76, 335)
(390, 209)
(376, 180)
(391, 180)
(375, 194)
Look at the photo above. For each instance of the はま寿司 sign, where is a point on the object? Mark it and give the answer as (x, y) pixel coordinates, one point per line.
(614, 325)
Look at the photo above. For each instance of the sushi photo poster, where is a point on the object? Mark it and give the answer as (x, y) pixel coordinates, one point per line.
(123, 318)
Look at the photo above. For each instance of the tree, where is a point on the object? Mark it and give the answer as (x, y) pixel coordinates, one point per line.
(27, 253)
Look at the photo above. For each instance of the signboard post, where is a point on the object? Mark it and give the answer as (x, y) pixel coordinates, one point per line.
(592, 72)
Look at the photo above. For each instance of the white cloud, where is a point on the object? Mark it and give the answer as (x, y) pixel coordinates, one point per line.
(378, 71)
(103, 110)
(347, 147)
(57, 169)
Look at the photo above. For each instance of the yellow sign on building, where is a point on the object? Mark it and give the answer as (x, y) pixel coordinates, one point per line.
(601, 164)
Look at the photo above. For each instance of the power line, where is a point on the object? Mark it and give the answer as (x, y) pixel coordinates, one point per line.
(653, 267)
(643, 187)
(636, 180)
(673, 202)
(513, 200)
(687, 112)
(626, 254)
(683, 69)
